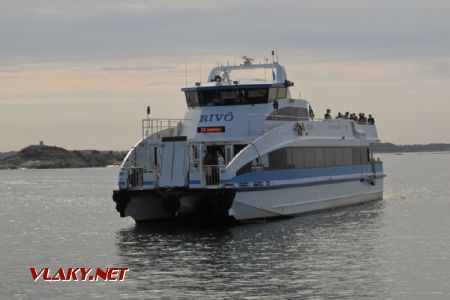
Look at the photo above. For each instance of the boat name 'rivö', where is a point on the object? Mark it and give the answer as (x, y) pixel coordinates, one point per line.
(79, 274)
(228, 117)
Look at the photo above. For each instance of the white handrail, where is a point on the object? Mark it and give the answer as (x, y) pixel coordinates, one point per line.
(163, 127)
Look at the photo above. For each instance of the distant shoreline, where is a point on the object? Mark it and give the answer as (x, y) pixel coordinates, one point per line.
(52, 157)
(393, 148)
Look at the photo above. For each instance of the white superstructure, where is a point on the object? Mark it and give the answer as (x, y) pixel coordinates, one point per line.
(247, 149)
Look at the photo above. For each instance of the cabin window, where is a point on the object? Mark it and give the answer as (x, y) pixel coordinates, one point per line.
(221, 97)
(298, 157)
(310, 161)
(192, 99)
(209, 98)
(230, 97)
(277, 93)
(356, 156)
(316, 157)
(273, 94)
(256, 96)
(282, 93)
(339, 156)
(289, 111)
(347, 156)
(329, 157)
(320, 157)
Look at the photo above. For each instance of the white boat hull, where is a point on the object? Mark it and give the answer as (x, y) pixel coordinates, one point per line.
(298, 200)
(269, 202)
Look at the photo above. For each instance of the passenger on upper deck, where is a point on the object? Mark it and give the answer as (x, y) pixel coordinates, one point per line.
(362, 119)
(371, 120)
(339, 116)
(311, 112)
(346, 116)
(327, 116)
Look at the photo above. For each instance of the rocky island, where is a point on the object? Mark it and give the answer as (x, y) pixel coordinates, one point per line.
(52, 157)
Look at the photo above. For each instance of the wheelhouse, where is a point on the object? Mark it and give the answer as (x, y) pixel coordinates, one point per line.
(234, 95)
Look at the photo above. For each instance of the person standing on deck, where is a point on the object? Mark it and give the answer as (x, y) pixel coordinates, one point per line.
(207, 162)
(220, 159)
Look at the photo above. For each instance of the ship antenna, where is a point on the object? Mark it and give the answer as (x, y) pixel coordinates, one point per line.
(200, 71)
(266, 60)
(185, 70)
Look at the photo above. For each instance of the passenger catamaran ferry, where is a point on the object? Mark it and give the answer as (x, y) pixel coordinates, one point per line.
(249, 150)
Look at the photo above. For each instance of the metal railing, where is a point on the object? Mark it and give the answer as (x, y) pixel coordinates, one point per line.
(211, 174)
(261, 123)
(162, 127)
(135, 177)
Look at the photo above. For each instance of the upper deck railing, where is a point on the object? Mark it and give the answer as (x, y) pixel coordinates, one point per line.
(280, 71)
(162, 127)
(260, 123)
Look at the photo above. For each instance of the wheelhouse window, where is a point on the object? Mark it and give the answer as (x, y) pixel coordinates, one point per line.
(192, 99)
(277, 93)
(282, 93)
(221, 97)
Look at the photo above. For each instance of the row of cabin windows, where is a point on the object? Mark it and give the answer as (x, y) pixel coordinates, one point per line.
(317, 157)
(309, 157)
(222, 97)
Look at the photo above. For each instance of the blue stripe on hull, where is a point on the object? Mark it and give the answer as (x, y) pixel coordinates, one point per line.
(301, 173)
(304, 184)
(305, 173)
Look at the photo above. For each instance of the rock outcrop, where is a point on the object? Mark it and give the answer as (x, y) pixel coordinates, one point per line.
(51, 157)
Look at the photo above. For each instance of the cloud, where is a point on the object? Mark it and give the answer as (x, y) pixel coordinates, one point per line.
(122, 29)
(135, 68)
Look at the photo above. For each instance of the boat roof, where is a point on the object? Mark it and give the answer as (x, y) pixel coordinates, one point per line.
(219, 78)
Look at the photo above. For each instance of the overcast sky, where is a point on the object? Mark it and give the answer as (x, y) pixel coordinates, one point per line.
(79, 74)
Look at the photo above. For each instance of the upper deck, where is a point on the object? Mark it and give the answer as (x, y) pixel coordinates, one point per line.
(227, 110)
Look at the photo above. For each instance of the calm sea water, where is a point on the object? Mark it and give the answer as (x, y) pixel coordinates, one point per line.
(397, 248)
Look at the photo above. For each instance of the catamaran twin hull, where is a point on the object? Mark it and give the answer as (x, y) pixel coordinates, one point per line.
(247, 150)
(247, 203)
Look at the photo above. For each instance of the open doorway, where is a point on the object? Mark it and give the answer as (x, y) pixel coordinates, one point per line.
(213, 160)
